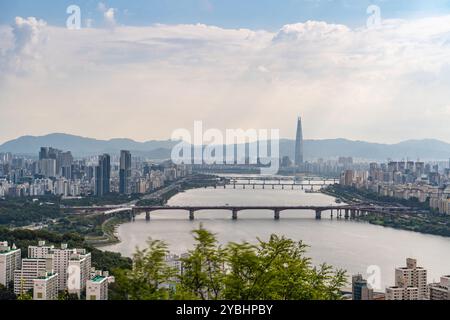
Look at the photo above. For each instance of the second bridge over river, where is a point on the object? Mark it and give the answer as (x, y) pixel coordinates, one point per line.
(346, 211)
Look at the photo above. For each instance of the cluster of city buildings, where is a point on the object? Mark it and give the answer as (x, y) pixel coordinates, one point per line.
(426, 182)
(57, 172)
(410, 284)
(48, 270)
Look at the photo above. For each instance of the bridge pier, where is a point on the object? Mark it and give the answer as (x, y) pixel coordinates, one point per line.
(318, 214)
(331, 213)
(253, 186)
(243, 186)
(234, 186)
(352, 214)
(276, 214)
(273, 186)
(147, 216)
(346, 216)
(191, 215)
(234, 214)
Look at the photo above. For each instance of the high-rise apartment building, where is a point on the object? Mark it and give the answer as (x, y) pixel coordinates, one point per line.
(410, 283)
(10, 260)
(79, 269)
(31, 269)
(125, 172)
(47, 167)
(64, 164)
(97, 286)
(61, 257)
(45, 286)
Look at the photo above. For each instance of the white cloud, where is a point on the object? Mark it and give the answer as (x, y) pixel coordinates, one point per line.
(109, 14)
(22, 44)
(386, 84)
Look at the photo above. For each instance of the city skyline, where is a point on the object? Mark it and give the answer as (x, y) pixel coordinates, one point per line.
(155, 78)
(225, 156)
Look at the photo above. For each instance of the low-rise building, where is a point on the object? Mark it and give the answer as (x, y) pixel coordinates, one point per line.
(440, 290)
(402, 293)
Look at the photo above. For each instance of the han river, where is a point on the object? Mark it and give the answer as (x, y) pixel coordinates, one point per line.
(347, 244)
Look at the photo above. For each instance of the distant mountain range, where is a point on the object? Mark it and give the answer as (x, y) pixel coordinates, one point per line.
(81, 146)
(427, 149)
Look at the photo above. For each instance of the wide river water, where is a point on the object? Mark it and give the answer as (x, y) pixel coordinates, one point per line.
(347, 244)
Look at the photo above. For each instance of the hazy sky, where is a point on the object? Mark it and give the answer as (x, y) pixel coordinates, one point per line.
(143, 69)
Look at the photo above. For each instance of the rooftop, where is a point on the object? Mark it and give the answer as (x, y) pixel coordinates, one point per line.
(6, 250)
(48, 275)
(98, 279)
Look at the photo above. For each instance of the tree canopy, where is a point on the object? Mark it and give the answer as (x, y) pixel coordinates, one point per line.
(276, 269)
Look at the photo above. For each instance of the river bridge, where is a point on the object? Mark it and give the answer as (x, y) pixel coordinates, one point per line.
(347, 211)
(274, 182)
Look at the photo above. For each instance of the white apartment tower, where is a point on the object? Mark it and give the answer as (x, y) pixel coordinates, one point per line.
(97, 288)
(45, 287)
(79, 268)
(410, 283)
(31, 269)
(61, 257)
(10, 259)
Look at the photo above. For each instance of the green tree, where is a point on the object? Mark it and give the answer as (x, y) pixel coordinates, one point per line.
(278, 270)
(25, 296)
(203, 268)
(150, 277)
(65, 295)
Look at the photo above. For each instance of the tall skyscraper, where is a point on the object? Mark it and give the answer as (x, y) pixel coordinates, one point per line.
(103, 175)
(125, 172)
(299, 143)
